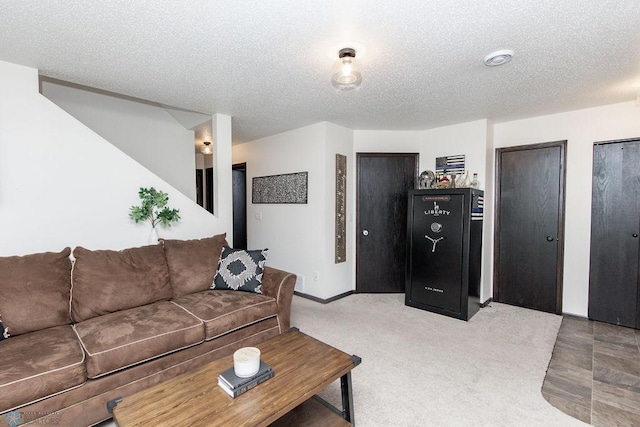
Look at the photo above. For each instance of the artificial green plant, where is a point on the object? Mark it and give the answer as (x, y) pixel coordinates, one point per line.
(154, 208)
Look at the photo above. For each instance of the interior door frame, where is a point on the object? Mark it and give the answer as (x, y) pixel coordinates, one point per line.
(562, 144)
(242, 167)
(416, 156)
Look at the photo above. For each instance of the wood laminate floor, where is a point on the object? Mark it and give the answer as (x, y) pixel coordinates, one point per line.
(594, 373)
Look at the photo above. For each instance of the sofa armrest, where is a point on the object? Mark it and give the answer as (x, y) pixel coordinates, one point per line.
(279, 284)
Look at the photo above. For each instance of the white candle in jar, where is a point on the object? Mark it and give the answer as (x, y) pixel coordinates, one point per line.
(246, 361)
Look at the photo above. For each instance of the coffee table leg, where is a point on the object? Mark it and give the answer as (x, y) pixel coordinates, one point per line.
(347, 398)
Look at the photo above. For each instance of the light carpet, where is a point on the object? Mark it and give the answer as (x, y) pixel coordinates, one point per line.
(424, 369)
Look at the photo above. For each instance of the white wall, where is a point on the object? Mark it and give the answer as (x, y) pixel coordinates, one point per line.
(581, 128)
(61, 184)
(339, 278)
(294, 233)
(298, 150)
(222, 175)
(386, 141)
(464, 138)
(147, 133)
(299, 236)
(470, 139)
(478, 140)
(487, 225)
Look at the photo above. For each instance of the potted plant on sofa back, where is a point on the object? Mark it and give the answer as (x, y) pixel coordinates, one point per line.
(155, 210)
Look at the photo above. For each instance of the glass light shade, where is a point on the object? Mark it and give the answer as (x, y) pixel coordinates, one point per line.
(345, 73)
(206, 148)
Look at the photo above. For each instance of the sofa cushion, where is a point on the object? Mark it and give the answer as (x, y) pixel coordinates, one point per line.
(34, 291)
(193, 263)
(117, 340)
(240, 270)
(226, 311)
(106, 281)
(39, 364)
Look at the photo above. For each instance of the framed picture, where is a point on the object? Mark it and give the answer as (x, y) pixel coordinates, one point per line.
(290, 188)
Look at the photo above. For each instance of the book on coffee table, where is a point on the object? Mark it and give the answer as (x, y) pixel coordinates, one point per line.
(254, 381)
(234, 385)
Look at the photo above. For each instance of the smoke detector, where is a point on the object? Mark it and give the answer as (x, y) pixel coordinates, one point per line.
(499, 57)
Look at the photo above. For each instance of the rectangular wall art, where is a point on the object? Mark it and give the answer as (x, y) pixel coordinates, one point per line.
(341, 208)
(285, 189)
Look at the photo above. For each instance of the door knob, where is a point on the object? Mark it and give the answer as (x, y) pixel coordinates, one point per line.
(635, 234)
(365, 232)
(549, 239)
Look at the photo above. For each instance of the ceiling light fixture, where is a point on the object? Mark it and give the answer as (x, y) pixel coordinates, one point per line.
(499, 57)
(345, 72)
(206, 148)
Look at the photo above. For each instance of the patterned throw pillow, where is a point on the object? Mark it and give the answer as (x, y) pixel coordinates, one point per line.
(240, 270)
(4, 332)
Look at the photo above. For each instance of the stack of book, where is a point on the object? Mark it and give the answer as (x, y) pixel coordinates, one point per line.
(234, 385)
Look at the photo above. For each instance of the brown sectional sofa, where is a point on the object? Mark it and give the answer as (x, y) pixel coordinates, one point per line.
(110, 323)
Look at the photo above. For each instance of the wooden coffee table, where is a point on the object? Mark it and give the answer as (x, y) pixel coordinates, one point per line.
(303, 366)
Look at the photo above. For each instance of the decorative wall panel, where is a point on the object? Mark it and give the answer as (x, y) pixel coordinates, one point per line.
(286, 188)
(341, 208)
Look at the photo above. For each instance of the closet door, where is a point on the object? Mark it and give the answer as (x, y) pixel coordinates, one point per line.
(529, 226)
(615, 225)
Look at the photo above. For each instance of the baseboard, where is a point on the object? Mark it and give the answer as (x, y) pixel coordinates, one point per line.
(486, 303)
(575, 316)
(321, 300)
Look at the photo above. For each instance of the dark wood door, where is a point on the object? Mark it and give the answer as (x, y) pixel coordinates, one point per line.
(199, 188)
(239, 194)
(529, 226)
(209, 182)
(615, 225)
(384, 180)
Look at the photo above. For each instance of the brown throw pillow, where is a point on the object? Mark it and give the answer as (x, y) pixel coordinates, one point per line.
(106, 281)
(193, 263)
(34, 292)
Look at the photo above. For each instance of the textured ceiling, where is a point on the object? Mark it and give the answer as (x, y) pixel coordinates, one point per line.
(268, 63)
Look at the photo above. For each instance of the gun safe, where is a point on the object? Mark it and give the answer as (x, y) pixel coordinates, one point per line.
(444, 251)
